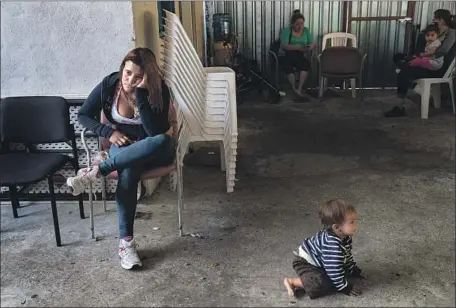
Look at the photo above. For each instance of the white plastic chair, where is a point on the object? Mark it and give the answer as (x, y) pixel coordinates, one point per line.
(206, 97)
(432, 85)
(341, 39)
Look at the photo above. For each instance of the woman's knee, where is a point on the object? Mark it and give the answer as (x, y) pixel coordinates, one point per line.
(304, 66)
(287, 69)
(159, 140)
(167, 147)
(162, 145)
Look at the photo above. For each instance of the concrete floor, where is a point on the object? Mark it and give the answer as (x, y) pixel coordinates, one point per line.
(399, 173)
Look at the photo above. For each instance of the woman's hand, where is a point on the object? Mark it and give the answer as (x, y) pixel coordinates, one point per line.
(170, 132)
(119, 139)
(305, 48)
(143, 83)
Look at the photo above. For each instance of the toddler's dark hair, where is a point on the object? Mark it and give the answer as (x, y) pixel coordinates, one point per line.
(333, 212)
(431, 28)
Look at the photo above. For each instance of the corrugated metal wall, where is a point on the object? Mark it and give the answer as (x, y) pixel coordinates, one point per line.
(380, 40)
(425, 10)
(258, 24)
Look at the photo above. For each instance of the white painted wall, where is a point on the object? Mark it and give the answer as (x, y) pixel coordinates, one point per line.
(62, 48)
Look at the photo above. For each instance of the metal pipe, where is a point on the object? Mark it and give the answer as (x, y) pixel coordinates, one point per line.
(347, 17)
(205, 34)
(378, 18)
(89, 162)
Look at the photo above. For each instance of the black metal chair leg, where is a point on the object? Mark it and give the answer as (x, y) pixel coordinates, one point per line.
(14, 200)
(75, 163)
(80, 198)
(54, 210)
(81, 207)
(361, 88)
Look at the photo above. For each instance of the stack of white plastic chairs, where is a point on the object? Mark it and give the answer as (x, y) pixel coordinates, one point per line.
(204, 96)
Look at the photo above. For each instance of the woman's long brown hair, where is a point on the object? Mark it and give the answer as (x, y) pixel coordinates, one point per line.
(145, 59)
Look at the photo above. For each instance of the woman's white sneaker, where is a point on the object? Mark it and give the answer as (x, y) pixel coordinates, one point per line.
(79, 183)
(128, 254)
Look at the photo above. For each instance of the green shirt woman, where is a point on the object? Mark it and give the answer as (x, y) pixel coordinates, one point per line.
(294, 41)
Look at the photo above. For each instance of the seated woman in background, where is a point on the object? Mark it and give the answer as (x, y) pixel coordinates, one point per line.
(446, 36)
(294, 41)
(443, 56)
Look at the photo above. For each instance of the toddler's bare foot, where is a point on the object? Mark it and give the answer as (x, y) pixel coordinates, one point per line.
(289, 286)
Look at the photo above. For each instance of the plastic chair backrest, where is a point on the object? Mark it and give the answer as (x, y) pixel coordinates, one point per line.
(339, 39)
(340, 60)
(451, 71)
(184, 73)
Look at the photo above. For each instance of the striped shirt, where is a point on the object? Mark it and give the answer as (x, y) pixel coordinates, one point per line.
(333, 254)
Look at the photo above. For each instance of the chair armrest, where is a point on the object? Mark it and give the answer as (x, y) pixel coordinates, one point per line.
(273, 54)
(276, 58)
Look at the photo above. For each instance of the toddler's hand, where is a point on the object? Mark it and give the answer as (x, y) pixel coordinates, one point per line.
(354, 291)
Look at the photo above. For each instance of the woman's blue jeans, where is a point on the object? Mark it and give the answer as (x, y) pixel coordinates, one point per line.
(130, 161)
